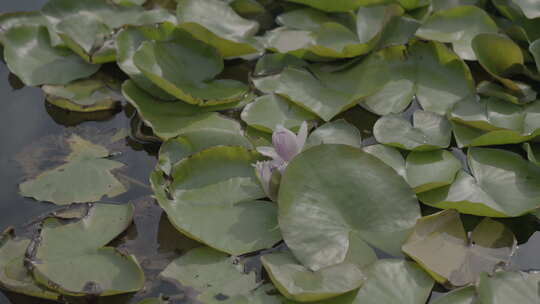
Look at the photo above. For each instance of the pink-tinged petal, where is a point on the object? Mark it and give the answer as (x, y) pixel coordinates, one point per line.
(284, 141)
(263, 170)
(302, 136)
(268, 152)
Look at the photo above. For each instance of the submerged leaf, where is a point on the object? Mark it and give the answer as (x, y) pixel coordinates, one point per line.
(316, 209)
(441, 237)
(86, 176)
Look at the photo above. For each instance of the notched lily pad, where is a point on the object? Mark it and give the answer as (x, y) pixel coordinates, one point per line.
(98, 93)
(501, 184)
(68, 255)
(85, 177)
(441, 237)
(217, 24)
(30, 56)
(491, 121)
(430, 170)
(219, 183)
(316, 211)
(428, 131)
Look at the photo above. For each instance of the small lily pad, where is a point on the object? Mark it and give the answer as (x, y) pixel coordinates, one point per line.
(501, 184)
(430, 170)
(169, 119)
(86, 176)
(510, 287)
(388, 155)
(335, 132)
(316, 209)
(30, 56)
(441, 236)
(219, 183)
(458, 25)
(68, 255)
(268, 111)
(428, 131)
(466, 295)
(217, 24)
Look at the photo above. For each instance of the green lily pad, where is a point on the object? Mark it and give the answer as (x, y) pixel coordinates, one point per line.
(335, 132)
(308, 32)
(219, 183)
(30, 56)
(510, 287)
(14, 275)
(388, 155)
(88, 95)
(185, 68)
(490, 89)
(268, 111)
(428, 70)
(174, 150)
(88, 26)
(491, 121)
(394, 281)
(69, 257)
(211, 274)
(169, 119)
(501, 184)
(466, 295)
(520, 26)
(217, 24)
(530, 8)
(86, 176)
(338, 5)
(159, 300)
(533, 152)
(428, 131)
(458, 25)
(430, 170)
(441, 236)
(10, 20)
(317, 223)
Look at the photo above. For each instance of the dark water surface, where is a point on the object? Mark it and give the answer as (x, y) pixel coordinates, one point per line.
(31, 133)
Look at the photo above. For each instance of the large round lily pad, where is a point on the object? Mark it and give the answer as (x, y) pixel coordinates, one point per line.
(330, 193)
(68, 255)
(219, 183)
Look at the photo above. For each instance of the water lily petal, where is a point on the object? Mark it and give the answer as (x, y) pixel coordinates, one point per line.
(285, 143)
(268, 152)
(302, 136)
(263, 170)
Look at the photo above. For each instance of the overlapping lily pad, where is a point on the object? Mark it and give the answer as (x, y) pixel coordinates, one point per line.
(10, 20)
(491, 89)
(430, 170)
(533, 152)
(86, 176)
(216, 23)
(501, 184)
(335, 132)
(219, 183)
(29, 55)
(318, 217)
(388, 155)
(68, 255)
(491, 121)
(458, 25)
(340, 5)
(88, 26)
(428, 131)
(441, 236)
(466, 295)
(510, 287)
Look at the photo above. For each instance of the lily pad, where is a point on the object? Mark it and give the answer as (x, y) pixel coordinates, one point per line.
(458, 25)
(428, 131)
(466, 295)
(268, 111)
(335, 132)
(88, 26)
(185, 68)
(169, 119)
(394, 281)
(14, 275)
(441, 236)
(217, 24)
(530, 8)
(491, 121)
(86, 176)
(211, 274)
(510, 287)
(316, 209)
(339, 5)
(219, 183)
(390, 156)
(298, 283)
(490, 89)
(69, 257)
(308, 33)
(533, 152)
(88, 95)
(30, 56)
(10, 20)
(430, 170)
(501, 184)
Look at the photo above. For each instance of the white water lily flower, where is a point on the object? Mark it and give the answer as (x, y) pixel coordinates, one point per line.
(286, 145)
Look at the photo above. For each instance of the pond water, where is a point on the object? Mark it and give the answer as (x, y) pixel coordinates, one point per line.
(29, 132)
